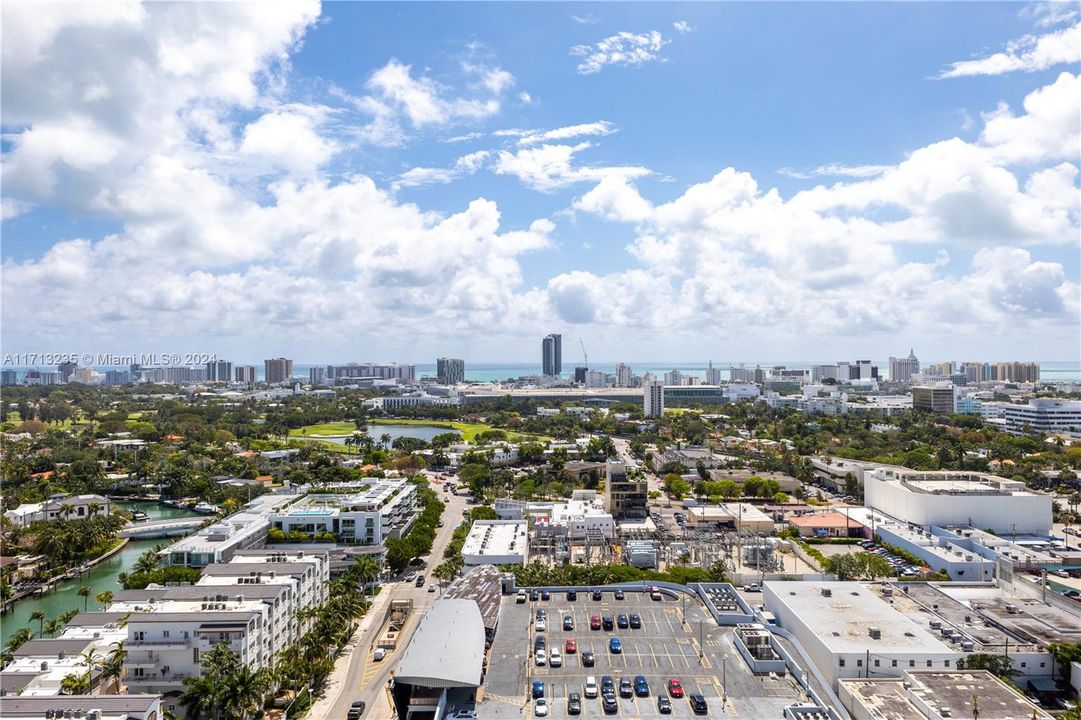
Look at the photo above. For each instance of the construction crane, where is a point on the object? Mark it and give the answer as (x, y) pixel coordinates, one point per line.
(585, 355)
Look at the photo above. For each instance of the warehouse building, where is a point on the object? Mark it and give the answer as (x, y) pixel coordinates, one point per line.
(924, 695)
(497, 542)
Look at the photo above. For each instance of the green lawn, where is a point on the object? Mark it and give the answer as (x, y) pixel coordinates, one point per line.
(468, 430)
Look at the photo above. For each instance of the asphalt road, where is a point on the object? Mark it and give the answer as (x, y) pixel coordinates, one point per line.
(370, 686)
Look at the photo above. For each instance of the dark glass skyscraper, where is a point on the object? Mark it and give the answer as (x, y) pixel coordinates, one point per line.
(552, 354)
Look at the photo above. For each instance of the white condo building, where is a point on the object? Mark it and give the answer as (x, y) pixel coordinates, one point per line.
(624, 376)
(1044, 415)
(653, 399)
(364, 514)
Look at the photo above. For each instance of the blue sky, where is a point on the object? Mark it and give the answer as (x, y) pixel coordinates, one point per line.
(364, 181)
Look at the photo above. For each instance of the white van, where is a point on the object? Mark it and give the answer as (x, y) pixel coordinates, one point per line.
(591, 687)
(379, 654)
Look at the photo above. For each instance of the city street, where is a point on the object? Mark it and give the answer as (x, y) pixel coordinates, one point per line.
(356, 676)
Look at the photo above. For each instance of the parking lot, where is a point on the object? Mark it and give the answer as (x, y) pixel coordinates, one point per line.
(699, 654)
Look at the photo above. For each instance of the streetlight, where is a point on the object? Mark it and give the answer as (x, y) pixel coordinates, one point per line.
(701, 644)
(724, 681)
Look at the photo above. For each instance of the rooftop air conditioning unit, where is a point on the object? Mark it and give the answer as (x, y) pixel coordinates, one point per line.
(827, 592)
(875, 633)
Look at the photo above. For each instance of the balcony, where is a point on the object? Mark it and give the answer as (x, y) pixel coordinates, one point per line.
(155, 680)
(161, 643)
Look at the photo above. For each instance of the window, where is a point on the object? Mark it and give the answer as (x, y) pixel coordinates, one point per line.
(139, 635)
(893, 663)
(1024, 664)
(876, 662)
(165, 633)
(842, 662)
(928, 663)
(195, 655)
(1042, 664)
(859, 663)
(947, 663)
(912, 663)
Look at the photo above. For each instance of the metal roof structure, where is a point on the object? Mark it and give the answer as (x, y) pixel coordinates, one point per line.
(447, 649)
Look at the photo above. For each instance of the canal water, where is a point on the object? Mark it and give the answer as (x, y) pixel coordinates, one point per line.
(99, 578)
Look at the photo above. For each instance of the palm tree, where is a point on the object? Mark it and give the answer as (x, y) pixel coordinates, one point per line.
(40, 617)
(104, 598)
(384, 440)
(94, 507)
(53, 627)
(113, 666)
(366, 570)
(18, 638)
(147, 562)
(66, 510)
(75, 684)
(91, 660)
(84, 593)
(247, 691)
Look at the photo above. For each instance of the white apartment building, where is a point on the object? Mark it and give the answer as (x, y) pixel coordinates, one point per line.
(653, 399)
(218, 542)
(1044, 415)
(736, 391)
(365, 516)
(673, 377)
(497, 542)
(848, 632)
(624, 376)
(59, 507)
(943, 498)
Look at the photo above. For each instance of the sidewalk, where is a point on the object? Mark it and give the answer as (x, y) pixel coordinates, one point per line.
(322, 707)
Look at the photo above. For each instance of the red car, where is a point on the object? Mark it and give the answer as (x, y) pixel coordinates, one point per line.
(595, 622)
(571, 647)
(675, 688)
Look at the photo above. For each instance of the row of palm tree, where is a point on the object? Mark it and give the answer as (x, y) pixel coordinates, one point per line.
(66, 542)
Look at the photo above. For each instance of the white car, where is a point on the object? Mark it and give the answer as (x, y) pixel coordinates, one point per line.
(541, 710)
(379, 654)
(591, 687)
(541, 657)
(541, 625)
(556, 658)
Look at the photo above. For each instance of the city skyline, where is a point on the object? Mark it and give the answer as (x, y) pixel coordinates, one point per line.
(376, 179)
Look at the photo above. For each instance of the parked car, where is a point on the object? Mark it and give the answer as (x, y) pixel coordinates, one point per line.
(619, 595)
(379, 654)
(574, 704)
(664, 705)
(541, 708)
(675, 688)
(615, 646)
(608, 622)
(595, 622)
(572, 595)
(621, 622)
(626, 689)
(654, 593)
(608, 702)
(538, 688)
(533, 595)
(540, 657)
(587, 658)
(641, 687)
(591, 687)
(568, 622)
(431, 588)
(607, 685)
(420, 581)
(521, 597)
(555, 658)
(596, 594)
(698, 704)
(545, 595)
(541, 625)
(570, 647)
(753, 587)
(636, 621)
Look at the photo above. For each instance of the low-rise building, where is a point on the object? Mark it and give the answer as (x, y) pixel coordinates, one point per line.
(932, 695)
(59, 507)
(829, 524)
(364, 514)
(736, 515)
(497, 542)
(849, 632)
(99, 707)
(218, 542)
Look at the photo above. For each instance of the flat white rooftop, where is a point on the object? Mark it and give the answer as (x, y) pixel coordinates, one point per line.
(497, 537)
(842, 613)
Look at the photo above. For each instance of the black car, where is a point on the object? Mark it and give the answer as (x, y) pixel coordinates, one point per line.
(574, 704)
(356, 710)
(636, 621)
(596, 594)
(698, 704)
(572, 595)
(539, 643)
(568, 622)
(607, 686)
(420, 581)
(622, 621)
(608, 702)
(607, 623)
(619, 595)
(587, 658)
(664, 705)
(626, 689)
(545, 595)
(533, 595)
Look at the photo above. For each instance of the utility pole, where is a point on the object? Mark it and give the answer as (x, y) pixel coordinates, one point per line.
(724, 681)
